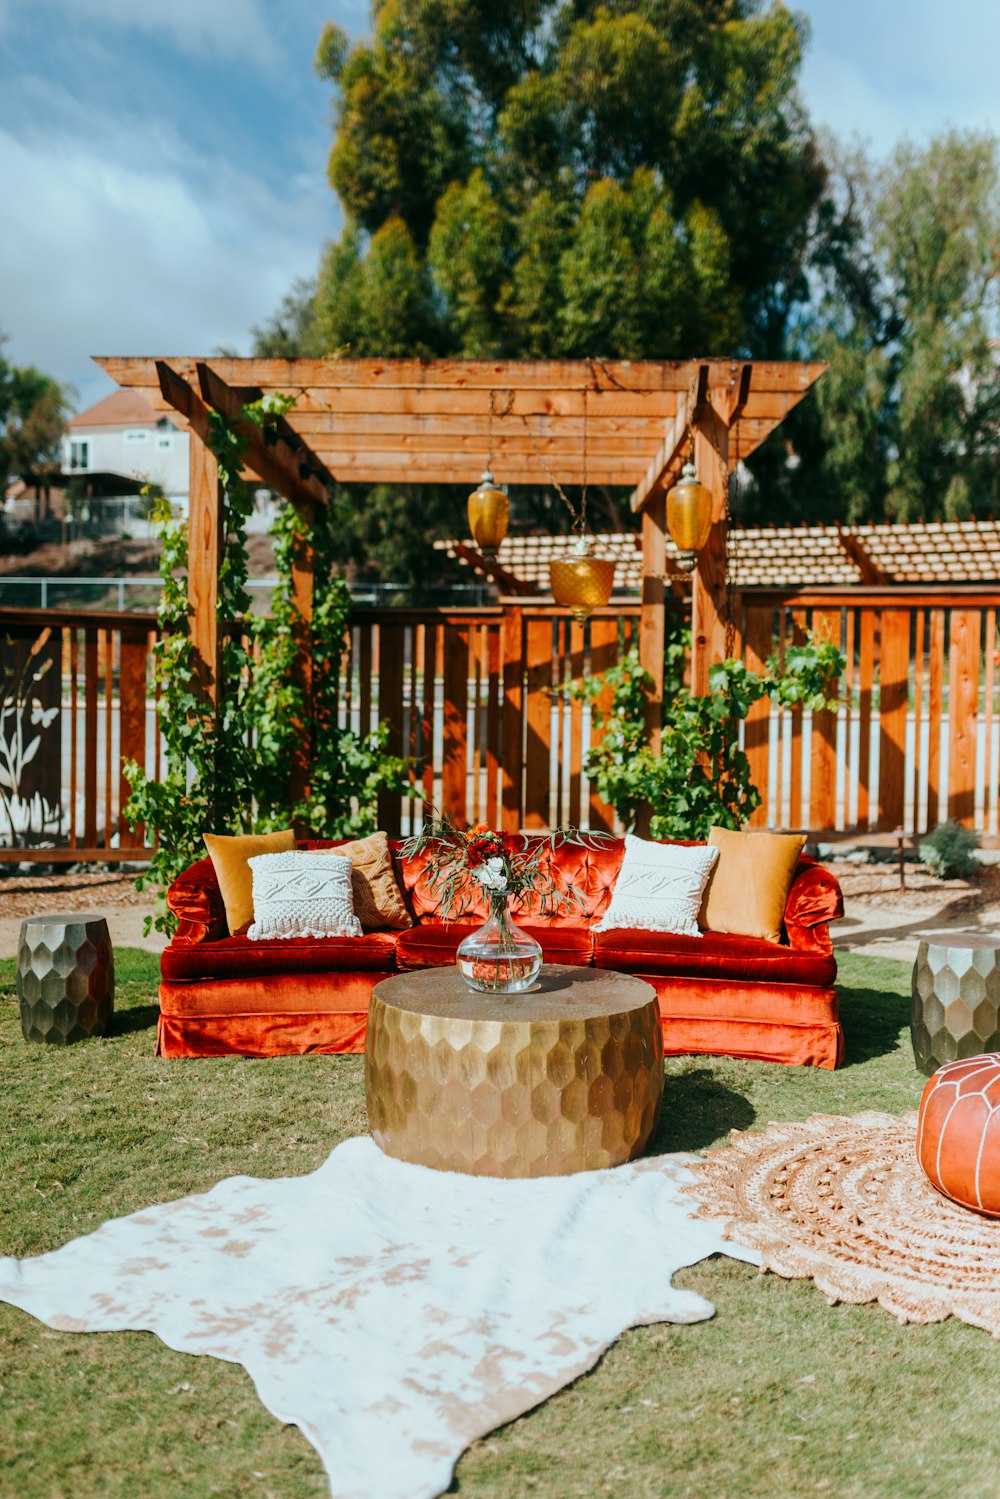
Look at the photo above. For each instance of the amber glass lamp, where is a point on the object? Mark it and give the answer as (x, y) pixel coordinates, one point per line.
(489, 512)
(581, 581)
(689, 517)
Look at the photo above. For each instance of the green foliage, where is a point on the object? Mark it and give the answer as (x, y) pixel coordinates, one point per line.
(904, 425)
(948, 851)
(33, 412)
(229, 771)
(701, 777)
(291, 330)
(672, 150)
(545, 178)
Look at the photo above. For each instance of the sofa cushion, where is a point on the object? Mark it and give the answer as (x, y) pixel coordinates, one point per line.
(718, 955)
(659, 887)
(231, 855)
(749, 885)
(238, 957)
(378, 900)
(432, 944)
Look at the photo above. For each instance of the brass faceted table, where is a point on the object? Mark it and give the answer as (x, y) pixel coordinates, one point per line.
(956, 998)
(566, 1077)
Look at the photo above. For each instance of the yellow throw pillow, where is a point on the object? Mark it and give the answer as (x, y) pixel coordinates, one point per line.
(229, 854)
(378, 901)
(749, 885)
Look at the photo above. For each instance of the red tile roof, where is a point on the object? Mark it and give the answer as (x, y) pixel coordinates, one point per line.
(122, 408)
(799, 556)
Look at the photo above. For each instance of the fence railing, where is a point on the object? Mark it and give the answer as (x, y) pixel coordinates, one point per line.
(472, 696)
(915, 738)
(75, 704)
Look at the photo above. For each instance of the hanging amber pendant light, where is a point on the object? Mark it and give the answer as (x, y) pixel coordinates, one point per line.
(489, 512)
(581, 581)
(689, 517)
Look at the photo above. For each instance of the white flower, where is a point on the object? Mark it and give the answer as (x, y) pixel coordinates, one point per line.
(491, 875)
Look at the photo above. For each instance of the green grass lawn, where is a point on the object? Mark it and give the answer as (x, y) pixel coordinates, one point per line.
(779, 1395)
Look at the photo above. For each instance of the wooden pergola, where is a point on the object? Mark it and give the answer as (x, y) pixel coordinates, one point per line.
(414, 421)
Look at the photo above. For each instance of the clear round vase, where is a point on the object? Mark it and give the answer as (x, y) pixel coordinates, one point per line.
(499, 958)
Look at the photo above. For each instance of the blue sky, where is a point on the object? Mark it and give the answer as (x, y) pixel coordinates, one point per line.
(162, 162)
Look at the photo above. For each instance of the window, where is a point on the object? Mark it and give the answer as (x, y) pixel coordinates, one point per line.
(136, 434)
(79, 453)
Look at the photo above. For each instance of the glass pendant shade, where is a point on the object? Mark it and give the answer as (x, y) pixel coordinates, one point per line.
(489, 512)
(689, 517)
(580, 581)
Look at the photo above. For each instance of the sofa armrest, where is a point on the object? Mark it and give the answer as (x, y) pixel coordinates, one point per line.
(814, 900)
(196, 901)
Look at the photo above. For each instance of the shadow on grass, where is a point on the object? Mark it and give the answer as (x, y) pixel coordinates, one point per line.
(697, 1110)
(136, 1018)
(872, 1020)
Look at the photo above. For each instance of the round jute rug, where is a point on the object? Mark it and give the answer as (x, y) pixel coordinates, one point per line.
(845, 1202)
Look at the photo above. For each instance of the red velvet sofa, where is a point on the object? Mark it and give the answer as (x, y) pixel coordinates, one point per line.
(222, 994)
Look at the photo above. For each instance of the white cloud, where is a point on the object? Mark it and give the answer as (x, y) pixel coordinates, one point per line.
(141, 256)
(219, 28)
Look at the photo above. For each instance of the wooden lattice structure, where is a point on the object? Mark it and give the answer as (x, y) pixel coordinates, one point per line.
(433, 421)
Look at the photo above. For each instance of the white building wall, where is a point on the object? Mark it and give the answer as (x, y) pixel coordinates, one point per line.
(156, 455)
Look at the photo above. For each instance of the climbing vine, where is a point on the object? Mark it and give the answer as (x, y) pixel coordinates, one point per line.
(229, 771)
(701, 776)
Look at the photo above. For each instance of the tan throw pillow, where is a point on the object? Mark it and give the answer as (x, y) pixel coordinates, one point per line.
(749, 885)
(230, 854)
(378, 901)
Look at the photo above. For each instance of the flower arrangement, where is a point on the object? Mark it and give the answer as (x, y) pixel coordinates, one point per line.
(503, 865)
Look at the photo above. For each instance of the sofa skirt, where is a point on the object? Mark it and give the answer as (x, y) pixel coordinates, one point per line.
(328, 1014)
(266, 1017)
(761, 1022)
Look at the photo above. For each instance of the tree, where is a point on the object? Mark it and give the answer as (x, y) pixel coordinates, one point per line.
(906, 423)
(33, 412)
(665, 138)
(292, 329)
(562, 177)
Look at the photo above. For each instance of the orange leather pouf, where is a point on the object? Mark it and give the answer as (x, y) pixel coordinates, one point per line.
(958, 1132)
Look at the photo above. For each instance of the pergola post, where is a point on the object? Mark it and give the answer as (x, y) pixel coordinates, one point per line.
(652, 621)
(204, 558)
(708, 590)
(302, 593)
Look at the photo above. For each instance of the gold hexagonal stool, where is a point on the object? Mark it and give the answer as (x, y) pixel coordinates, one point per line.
(565, 1077)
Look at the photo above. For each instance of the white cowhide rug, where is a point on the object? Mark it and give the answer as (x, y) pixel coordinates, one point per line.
(394, 1313)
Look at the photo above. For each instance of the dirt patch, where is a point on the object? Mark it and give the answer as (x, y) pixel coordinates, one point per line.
(24, 895)
(876, 887)
(115, 557)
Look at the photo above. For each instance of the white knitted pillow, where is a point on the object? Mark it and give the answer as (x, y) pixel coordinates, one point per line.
(659, 887)
(302, 894)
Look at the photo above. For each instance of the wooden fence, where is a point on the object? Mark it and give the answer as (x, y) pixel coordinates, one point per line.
(472, 695)
(915, 738)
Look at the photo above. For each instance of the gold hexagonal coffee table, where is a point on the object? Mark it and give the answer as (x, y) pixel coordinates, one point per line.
(565, 1077)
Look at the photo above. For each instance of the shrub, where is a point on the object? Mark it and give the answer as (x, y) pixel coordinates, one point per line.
(948, 851)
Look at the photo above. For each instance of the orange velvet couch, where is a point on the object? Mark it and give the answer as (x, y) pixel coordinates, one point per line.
(222, 994)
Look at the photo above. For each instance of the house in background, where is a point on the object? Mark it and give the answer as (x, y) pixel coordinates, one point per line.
(122, 435)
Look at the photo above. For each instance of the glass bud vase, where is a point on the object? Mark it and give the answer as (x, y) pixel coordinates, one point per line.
(499, 958)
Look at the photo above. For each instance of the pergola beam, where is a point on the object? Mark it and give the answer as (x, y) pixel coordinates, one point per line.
(862, 558)
(507, 582)
(656, 480)
(279, 463)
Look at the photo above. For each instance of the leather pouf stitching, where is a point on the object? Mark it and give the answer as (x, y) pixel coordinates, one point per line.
(958, 1132)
